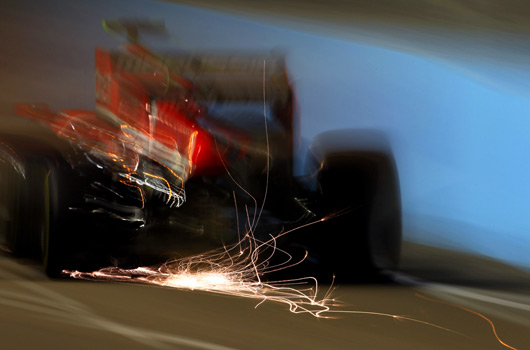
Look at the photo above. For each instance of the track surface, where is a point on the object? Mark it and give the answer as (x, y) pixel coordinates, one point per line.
(39, 313)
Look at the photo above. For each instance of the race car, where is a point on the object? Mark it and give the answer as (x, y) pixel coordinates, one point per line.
(197, 148)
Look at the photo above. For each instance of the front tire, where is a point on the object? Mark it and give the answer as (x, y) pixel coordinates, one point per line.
(13, 202)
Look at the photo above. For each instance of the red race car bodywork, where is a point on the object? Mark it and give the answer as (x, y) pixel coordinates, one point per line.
(221, 126)
(146, 112)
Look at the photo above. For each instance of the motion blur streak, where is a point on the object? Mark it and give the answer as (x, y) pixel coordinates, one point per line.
(52, 304)
(470, 311)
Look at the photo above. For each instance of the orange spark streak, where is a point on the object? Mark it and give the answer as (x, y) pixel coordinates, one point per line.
(470, 311)
(128, 183)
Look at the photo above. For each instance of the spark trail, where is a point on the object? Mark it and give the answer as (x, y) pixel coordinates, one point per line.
(231, 271)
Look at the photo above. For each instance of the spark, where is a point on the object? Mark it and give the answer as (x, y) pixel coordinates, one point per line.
(233, 270)
(493, 329)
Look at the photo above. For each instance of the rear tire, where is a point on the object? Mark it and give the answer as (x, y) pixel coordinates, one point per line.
(358, 198)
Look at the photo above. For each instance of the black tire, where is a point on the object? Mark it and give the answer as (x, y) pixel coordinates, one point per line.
(35, 193)
(359, 193)
(355, 186)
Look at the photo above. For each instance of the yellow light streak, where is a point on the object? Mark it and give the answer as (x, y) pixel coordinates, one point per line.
(129, 183)
(170, 192)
